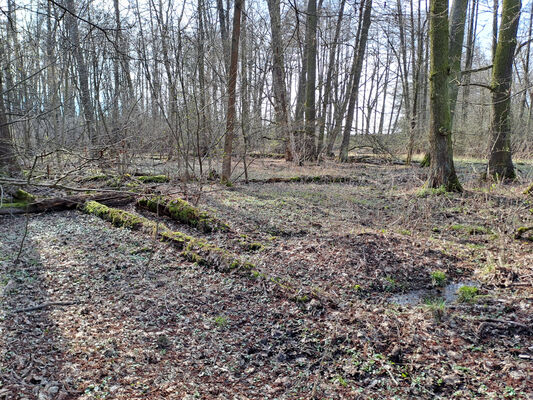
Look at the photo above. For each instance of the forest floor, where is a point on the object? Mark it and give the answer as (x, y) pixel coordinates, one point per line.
(342, 305)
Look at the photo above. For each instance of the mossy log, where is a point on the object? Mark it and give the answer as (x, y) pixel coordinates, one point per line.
(529, 190)
(193, 249)
(309, 179)
(65, 203)
(184, 212)
(153, 178)
(522, 231)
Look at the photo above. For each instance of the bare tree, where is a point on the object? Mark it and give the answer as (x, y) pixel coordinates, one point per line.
(232, 83)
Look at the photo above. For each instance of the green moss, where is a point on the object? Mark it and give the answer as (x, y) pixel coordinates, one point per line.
(14, 205)
(471, 229)
(23, 196)
(529, 190)
(153, 178)
(426, 192)
(523, 230)
(182, 211)
(118, 217)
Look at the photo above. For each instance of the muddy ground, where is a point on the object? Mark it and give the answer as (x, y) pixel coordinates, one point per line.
(121, 315)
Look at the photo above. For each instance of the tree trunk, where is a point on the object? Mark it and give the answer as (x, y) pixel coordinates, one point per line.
(357, 67)
(329, 78)
(500, 162)
(278, 79)
(232, 83)
(442, 171)
(457, 30)
(83, 74)
(310, 95)
(8, 159)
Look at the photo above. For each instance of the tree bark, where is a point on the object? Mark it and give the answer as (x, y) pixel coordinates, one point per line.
(310, 91)
(232, 83)
(457, 30)
(278, 79)
(500, 164)
(442, 171)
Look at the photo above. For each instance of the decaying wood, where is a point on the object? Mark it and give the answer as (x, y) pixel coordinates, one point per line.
(70, 202)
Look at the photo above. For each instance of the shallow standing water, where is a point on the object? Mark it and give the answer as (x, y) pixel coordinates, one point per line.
(448, 293)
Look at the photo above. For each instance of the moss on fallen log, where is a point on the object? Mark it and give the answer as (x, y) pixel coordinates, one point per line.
(529, 190)
(308, 179)
(23, 197)
(193, 249)
(524, 233)
(184, 212)
(153, 178)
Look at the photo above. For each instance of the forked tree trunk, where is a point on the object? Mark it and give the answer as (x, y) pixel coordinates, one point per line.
(500, 164)
(442, 171)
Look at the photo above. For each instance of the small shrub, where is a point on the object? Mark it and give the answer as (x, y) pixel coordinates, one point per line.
(438, 278)
(437, 306)
(221, 321)
(467, 293)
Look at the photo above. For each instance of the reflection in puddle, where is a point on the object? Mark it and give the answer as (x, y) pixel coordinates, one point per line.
(448, 293)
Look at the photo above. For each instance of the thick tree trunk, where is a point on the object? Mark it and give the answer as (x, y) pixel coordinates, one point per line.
(500, 164)
(442, 172)
(232, 83)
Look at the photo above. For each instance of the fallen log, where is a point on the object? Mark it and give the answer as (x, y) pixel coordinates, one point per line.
(319, 179)
(193, 249)
(67, 203)
(184, 212)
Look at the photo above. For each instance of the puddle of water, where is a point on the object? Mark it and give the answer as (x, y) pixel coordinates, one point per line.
(448, 293)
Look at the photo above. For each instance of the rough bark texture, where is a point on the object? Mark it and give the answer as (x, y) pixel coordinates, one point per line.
(442, 172)
(500, 162)
(457, 31)
(232, 83)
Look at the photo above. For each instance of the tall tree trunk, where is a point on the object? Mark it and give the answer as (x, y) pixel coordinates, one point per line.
(71, 21)
(232, 83)
(329, 78)
(357, 67)
(494, 27)
(469, 56)
(442, 171)
(278, 79)
(310, 95)
(500, 162)
(457, 30)
(8, 159)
